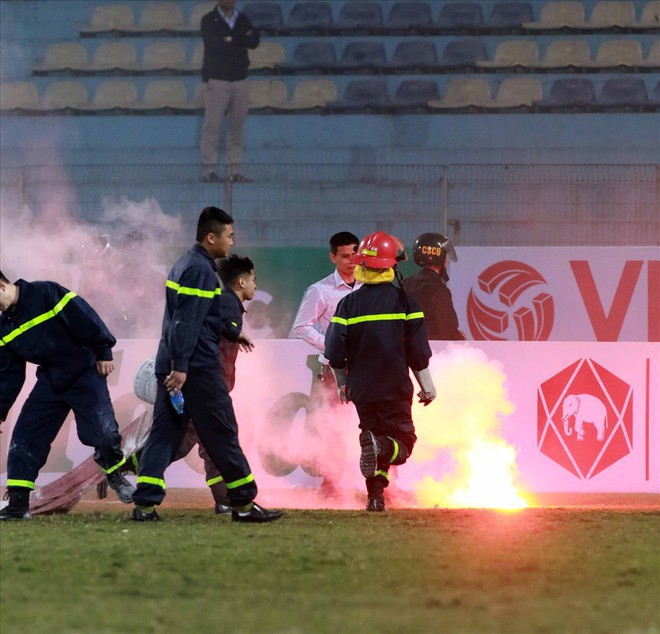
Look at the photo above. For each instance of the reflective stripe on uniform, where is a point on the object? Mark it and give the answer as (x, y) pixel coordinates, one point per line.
(148, 480)
(25, 484)
(378, 317)
(115, 467)
(187, 290)
(396, 449)
(384, 474)
(39, 319)
(241, 482)
(210, 482)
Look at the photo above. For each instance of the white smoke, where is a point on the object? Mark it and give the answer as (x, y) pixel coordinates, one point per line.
(117, 264)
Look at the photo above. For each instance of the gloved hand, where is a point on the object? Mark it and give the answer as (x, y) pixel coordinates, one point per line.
(427, 393)
(340, 378)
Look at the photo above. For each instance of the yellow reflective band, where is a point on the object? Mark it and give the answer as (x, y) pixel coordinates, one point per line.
(241, 482)
(385, 475)
(26, 484)
(396, 449)
(233, 323)
(186, 290)
(368, 252)
(148, 480)
(381, 317)
(134, 460)
(213, 481)
(39, 319)
(111, 469)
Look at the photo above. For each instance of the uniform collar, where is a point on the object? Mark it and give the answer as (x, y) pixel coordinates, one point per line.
(198, 248)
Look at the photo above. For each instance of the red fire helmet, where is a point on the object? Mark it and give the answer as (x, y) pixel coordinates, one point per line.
(377, 250)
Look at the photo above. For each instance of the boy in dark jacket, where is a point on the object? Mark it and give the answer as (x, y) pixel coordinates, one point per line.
(376, 335)
(48, 325)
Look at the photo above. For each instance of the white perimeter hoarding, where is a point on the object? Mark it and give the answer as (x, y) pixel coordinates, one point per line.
(608, 392)
(573, 332)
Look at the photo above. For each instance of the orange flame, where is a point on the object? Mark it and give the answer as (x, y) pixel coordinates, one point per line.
(465, 421)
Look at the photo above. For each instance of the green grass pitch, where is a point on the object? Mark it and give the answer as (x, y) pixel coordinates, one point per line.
(582, 570)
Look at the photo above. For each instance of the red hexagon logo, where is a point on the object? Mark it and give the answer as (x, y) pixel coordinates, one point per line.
(510, 303)
(585, 418)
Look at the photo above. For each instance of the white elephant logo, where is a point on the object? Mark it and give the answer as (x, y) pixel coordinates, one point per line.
(586, 409)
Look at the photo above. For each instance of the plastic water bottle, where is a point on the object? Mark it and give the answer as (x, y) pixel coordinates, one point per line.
(177, 401)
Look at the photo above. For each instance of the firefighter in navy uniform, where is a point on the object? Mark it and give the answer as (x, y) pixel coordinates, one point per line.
(46, 324)
(429, 286)
(376, 335)
(187, 361)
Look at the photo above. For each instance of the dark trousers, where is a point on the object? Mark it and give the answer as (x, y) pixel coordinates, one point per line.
(43, 415)
(391, 422)
(208, 404)
(214, 479)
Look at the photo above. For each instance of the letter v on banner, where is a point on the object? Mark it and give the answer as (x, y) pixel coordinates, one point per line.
(606, 327)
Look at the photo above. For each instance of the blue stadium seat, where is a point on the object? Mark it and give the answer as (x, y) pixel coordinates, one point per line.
(362, 96)
(413, 95)
(365, 56)
(311, 57)
(656, 93)
(460, 16)
(415, 56)
(571, 94)
(360, 16)
(624, 93)
(409, 16)
(265, 16)
(464, 53)
(510, 16)
(310, 17)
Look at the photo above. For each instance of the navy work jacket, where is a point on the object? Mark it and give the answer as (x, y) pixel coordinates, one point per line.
(226, 50)
(53, 328)
(378, 332)
(194, 318)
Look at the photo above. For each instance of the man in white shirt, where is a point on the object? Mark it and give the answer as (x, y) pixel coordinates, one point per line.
(314, 315)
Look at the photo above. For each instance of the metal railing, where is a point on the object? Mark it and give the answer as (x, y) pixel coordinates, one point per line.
(301, 204)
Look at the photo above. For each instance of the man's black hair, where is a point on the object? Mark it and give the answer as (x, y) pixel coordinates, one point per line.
(342, 239)
(3, 278)
(232, 267)
(212, 220)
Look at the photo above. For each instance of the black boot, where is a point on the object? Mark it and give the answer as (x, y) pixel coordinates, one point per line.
(375, 451)
(370, 448)
(19, 504)
(376, 498)
(121, 486)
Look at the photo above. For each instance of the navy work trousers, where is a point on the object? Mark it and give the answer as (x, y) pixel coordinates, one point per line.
(208, 404)
(391, 422)
(43, 415)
